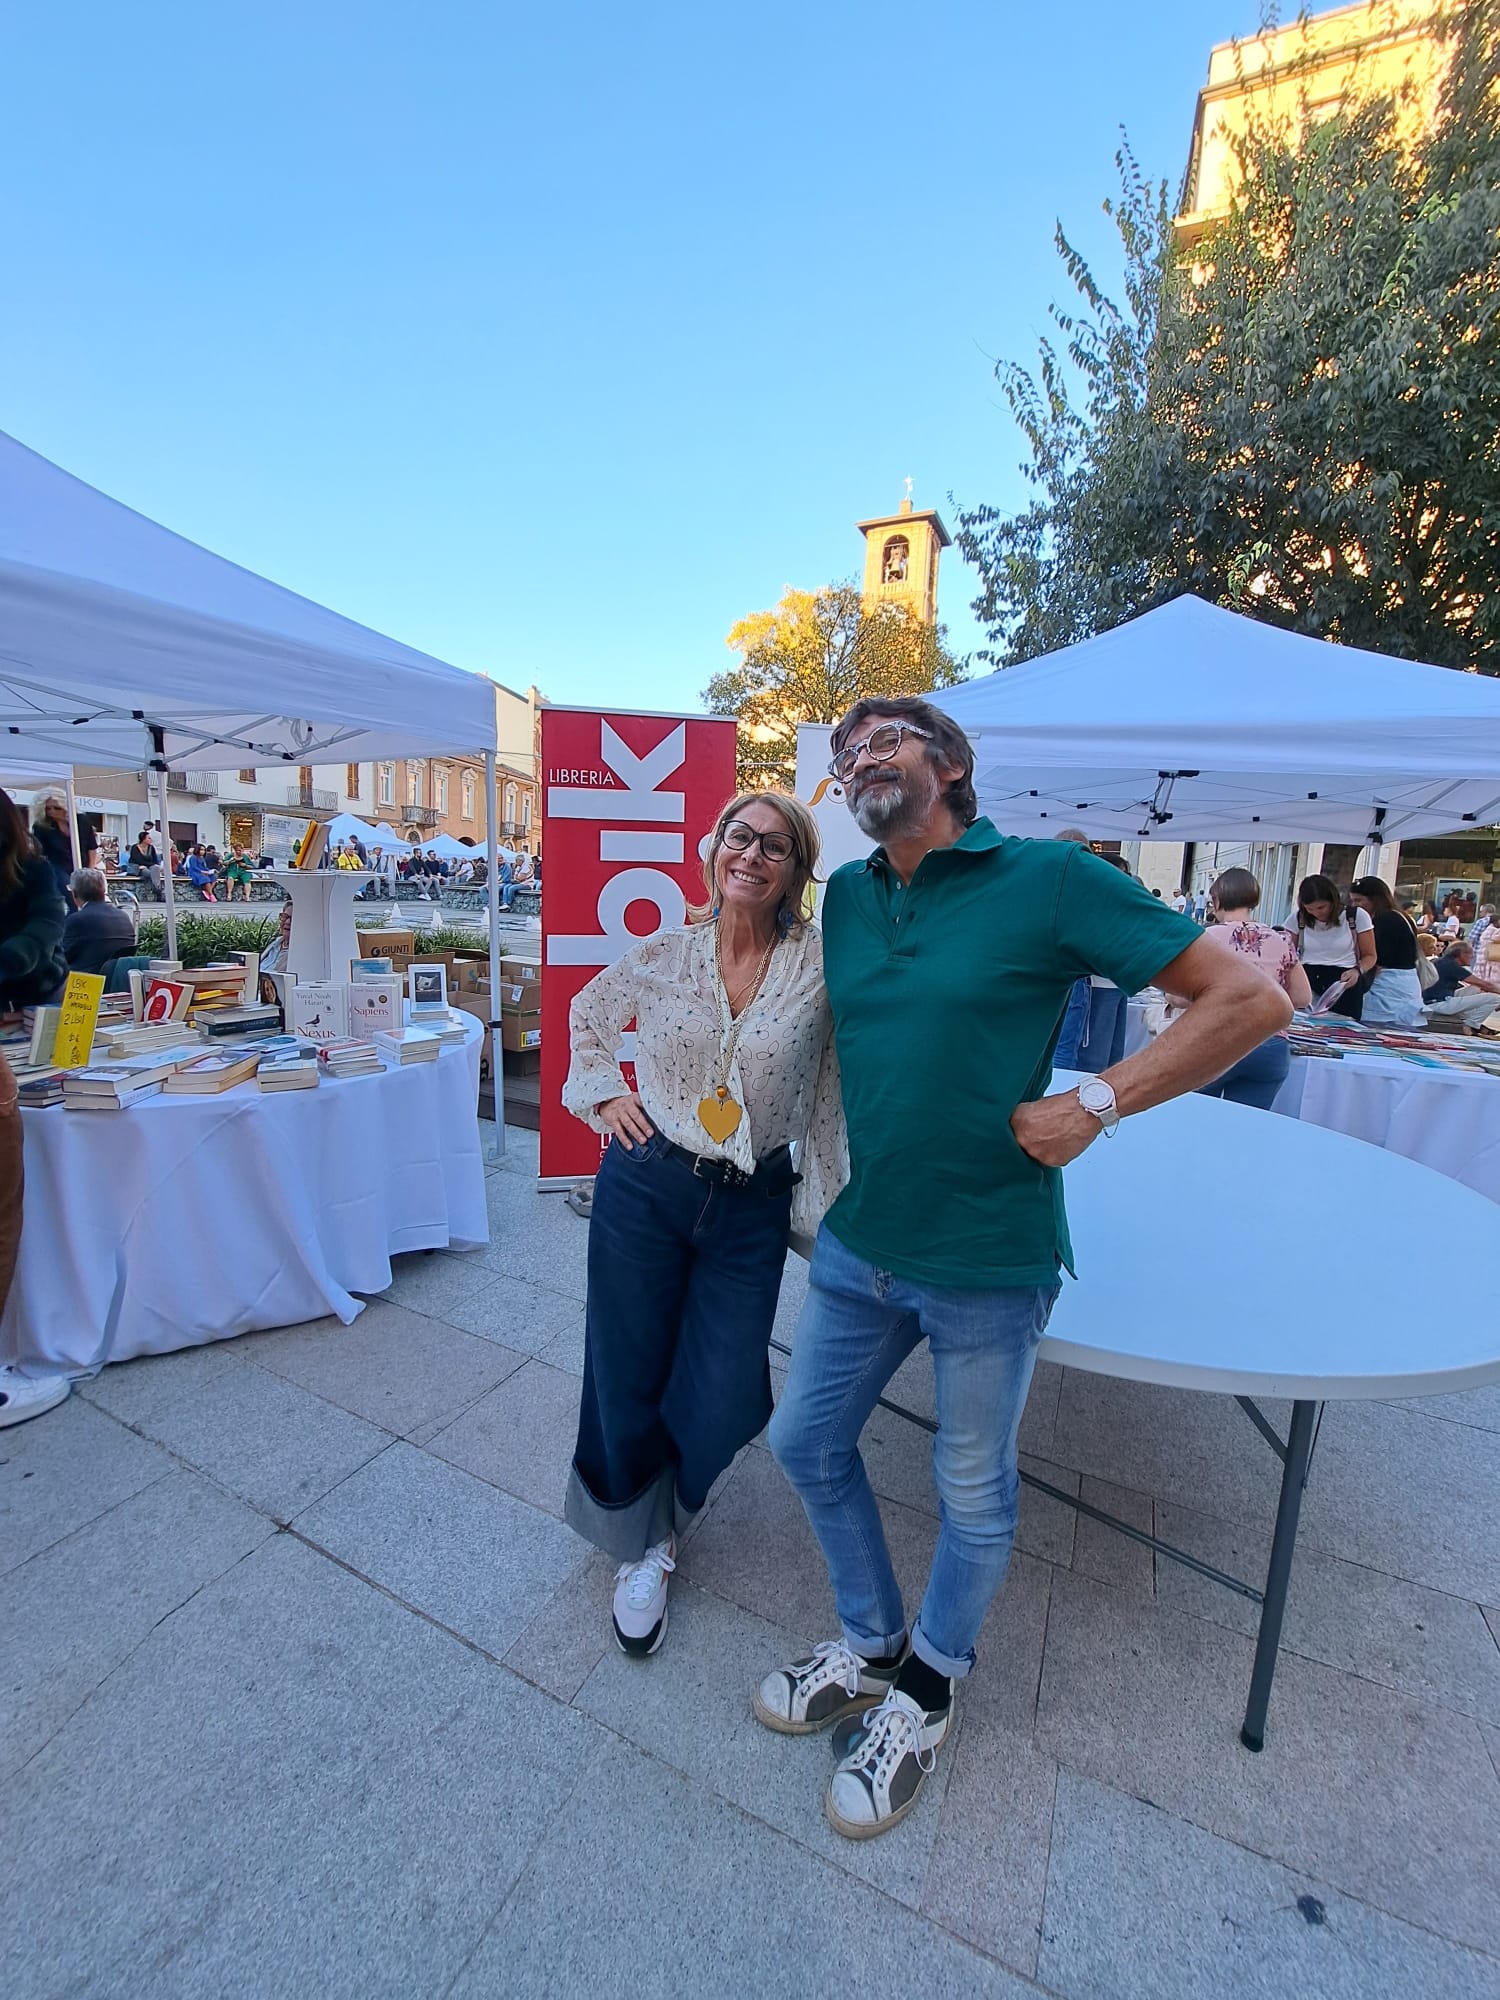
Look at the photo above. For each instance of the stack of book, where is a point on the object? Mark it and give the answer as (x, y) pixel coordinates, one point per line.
(448, 1028)
(142, 1039)
(409, 1045)
(38, 1086)
(206, 1076)
(347, 1057)
(239, 1023)
(288, 1069)
(114, 1086)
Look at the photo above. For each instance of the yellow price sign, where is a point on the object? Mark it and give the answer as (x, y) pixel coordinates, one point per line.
(77, 1020)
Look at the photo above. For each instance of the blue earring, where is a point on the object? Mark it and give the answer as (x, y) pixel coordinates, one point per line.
(716, 909)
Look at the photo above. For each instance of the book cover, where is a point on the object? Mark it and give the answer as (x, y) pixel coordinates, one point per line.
(318, 1009)
(207, 1075)
(165, 1000)
(428, 986)
(43, 1041)
(374, 1007)
(370, 968)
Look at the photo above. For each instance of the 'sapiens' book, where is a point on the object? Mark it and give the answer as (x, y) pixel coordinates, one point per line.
(206, 1076)
(428, 987)
(374, 1007)
(318, 1009)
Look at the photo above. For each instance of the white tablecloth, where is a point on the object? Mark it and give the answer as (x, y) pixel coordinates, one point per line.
(185, 1220)
(1446, 1119)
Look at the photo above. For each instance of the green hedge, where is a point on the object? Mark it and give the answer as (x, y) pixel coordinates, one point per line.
(202, 940)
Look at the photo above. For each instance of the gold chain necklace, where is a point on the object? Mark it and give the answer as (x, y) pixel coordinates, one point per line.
(719, 1115)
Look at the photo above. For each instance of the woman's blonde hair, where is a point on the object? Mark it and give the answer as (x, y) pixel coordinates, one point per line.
(803, 828)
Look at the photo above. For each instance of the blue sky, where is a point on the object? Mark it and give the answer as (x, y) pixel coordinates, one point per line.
(555, 340)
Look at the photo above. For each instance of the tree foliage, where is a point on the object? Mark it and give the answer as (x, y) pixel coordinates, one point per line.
(1297, 417)
(808, 660)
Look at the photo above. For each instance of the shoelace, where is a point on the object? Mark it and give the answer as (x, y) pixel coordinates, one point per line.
(832, 1660)
(892, 1735)
(646, 1575)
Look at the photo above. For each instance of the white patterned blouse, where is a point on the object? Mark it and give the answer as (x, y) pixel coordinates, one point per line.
(784, 1072)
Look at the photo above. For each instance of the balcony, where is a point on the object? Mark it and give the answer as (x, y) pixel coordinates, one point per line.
(315, 800)
(510, 829)
(418, 815)
(194, 784)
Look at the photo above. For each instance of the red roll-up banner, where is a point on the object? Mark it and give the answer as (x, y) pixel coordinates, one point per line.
(628, 802)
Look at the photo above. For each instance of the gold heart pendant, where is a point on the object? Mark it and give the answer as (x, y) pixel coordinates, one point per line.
(719, 1116)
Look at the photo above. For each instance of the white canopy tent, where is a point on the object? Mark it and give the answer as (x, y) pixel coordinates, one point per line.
(122, 644)
(1193, 723)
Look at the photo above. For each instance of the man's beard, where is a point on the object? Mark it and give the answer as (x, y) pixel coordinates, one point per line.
(894, 809)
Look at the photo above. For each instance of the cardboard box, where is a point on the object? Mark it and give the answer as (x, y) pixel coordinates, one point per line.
(520, 1031)
(470, 975)
(514, 969)
(377, 944)
(524, 998)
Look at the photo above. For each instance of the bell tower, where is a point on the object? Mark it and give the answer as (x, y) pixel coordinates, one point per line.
(901, 559)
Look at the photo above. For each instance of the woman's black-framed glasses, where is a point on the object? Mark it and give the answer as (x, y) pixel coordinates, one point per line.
(739, 835)
(880, 745)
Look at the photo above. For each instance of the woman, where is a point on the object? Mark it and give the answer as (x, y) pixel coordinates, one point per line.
(1255, 1078)
(1336, 946)
(50, 833)
(237, 873)
(1395, 995)
(693, 1199)
(201, 873)
(32, 969)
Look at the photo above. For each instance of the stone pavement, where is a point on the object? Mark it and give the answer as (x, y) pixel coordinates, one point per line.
(306, 1690)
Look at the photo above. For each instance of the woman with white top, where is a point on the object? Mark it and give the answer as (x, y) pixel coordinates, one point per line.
(1335, 945)
(693, 1201)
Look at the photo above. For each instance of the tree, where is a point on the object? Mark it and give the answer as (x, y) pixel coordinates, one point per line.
(808, 660)
(1301, 422)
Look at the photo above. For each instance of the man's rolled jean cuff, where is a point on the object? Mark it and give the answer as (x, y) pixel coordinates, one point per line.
(941, 1663)
(874, 1649)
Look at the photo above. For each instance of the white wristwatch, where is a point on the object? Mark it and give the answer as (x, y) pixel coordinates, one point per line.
(1096, 1096)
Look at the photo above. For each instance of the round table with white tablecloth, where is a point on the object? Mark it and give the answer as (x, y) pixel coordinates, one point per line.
(183, 1220)
(1448, 1119)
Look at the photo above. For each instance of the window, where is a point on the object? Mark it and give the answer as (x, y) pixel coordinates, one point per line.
(466, 794)
(351, 781)
(413, 785)
(442, 794)
(526, 810)
(305, 784)
(386, 784)
(247, 777)
(510, 805)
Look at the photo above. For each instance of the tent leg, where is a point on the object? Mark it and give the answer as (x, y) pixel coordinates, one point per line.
(168, 904)
(492, 897)
(73, 821)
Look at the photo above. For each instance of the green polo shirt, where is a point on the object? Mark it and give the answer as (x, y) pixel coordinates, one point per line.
(948, 994)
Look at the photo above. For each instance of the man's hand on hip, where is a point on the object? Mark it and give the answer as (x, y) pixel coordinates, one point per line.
(1054, 1130)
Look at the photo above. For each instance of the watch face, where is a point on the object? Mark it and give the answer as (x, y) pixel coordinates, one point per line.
(1096, 1097)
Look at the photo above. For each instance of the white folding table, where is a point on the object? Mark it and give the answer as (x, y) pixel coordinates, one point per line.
(1202, 1172)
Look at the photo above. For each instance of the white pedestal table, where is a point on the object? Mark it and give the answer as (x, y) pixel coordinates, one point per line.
(323, 939)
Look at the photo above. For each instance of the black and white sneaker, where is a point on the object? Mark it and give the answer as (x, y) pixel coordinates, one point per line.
(641, 1601)
(809, 1694)
(879, 1781)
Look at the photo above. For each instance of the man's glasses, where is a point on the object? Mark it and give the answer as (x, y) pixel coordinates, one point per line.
(742, 837)
(880, 746)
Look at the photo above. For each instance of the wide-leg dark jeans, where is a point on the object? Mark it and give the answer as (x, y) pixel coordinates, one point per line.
(683, 1280)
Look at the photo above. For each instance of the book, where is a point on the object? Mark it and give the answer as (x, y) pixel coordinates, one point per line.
(350, 1058)
(43, 1040)
(318, 1009)
(206, 1076)
(428, 987)
(236, 1022)
(370, 968)
(313, 845)
(37, 1092)
(374, 1007)
(297, 1072)
(111, 1086)
(408, 1045)
(165, 999)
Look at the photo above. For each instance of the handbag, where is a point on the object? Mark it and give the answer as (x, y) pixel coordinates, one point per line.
(1426, 971)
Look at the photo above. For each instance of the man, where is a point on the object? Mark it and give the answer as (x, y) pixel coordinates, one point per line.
(950, 954)
(1180, 903)
(95, 933)
(1463, 994)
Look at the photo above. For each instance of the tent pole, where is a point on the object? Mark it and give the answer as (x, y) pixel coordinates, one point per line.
(492, 898)
(73, 821)
(159, 767)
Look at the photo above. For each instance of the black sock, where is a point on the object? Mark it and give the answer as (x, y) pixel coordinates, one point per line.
(885, 1663)
(927, 1687)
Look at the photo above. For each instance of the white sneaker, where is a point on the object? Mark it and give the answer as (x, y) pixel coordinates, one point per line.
(641, 1600)
(23, 1396)
(877, 1784)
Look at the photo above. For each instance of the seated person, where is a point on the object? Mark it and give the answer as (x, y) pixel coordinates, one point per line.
(95, 933)
(1462, 997)
(202, 873)
(143, 860)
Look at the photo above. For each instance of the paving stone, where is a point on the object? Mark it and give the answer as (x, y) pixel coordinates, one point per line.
(1144, 1906)
(440, 1286)
(689, 1705)
(63, 1469)
(537, 1238)
(1492, 1744)
(479, 1562)
(569, 1636)
(1492, 1619)
(293, 1787)
(1479, 1408)
(78, 1608)
(1362, 1787)
(1424, 1642)
(1039, 1419)
(1103, 1552)
(520, 1436)
(266, 1440)
(527, 1318)
(1177, 1444)
(408, 1374)
(137, 1391)
(1045, 1527)
(988, 1873)
(749, 1915)
(565, 1350)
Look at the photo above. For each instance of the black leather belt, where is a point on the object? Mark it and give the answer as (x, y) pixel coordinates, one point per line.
(724, 1173)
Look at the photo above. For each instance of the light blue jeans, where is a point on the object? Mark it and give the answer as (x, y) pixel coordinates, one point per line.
(858, 1326)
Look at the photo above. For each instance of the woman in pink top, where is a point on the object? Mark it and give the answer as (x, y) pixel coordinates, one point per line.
(1255, 1078)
